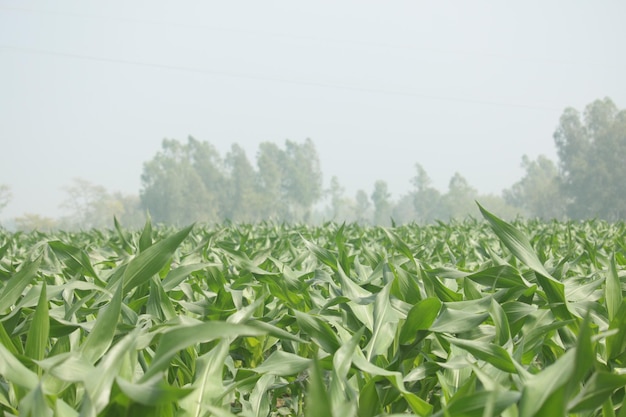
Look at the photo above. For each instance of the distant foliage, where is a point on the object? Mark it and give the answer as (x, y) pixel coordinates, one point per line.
(191, 182)
(88, 206)
(591, 153)
(5, 196)
(538, 193)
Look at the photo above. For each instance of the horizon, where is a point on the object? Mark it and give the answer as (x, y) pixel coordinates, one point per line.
(457, 88)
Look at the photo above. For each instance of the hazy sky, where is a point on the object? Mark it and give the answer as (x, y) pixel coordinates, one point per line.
(90, 89)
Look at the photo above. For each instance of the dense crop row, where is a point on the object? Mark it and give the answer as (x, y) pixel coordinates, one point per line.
(462, 319)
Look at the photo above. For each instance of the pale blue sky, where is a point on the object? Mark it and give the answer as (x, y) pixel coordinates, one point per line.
(89, 89)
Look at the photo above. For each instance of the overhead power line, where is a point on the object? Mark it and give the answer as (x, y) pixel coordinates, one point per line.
(257, 77)
(334, 41)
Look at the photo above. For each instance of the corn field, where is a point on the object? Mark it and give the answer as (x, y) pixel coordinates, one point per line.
(465, 319)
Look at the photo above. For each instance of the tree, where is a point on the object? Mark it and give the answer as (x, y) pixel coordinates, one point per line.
(426, 199)
(341, 208)
(538, 193)
(302, 178)
(459, 201)
(92, 206)
(190, 182)
(382, 204)
(362, 207)
(271, 181)
(403, 210)
(5, 196)
(242, 200)
(184, 183)
(591, 160)
(29, 222)
(85, 202)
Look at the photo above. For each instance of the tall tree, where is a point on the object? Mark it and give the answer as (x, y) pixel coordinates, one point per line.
(426, 199)
(5, 196)
(302, 179)
(89, 206)
(382, 204)
(271, 181)
(458, 202)
(362, 207)
(340, 207)
(242, 202)
(182, 183)
(591, 153)
(30, 221)
(538, 193)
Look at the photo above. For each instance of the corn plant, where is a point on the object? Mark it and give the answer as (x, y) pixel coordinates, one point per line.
(474, 318)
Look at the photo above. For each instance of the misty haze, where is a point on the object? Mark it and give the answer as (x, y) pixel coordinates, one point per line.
(408, 112)
(312, 209)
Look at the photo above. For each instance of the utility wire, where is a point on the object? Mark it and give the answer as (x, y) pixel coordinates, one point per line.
(256, 77)
(334, 41)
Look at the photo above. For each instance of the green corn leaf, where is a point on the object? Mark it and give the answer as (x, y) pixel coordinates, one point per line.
(516, 242)
(318, 403)
(318, 330)
(500, 276)
(596, 391)
(207, 385)
(5, 340)
(259, 401)
(98, 385)
(612, 290)
(145, 240)
(159, 304)
(101, 336)
(63, 409)
(364, 313)
(282, 363)
(76, 259)
(37, 339)
(120, 233)
(546, 387)
(521, 248)
(457, 321)
(178, 275)
(13, 371)
(488, 352)
(503, 331)
(68, 367)
(35, 405)
(421, 317)
(616, 343)
(152, 393)
(385, 324)
(399, 244)
(152, 260)
(585, 356)
(369, 402)
(323, 255)
(183, 336)
(341, 394)
(417, 404)
(15, 286)
(476, 404)
(87, 408)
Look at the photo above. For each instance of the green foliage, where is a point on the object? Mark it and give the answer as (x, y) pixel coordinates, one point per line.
(191, 182)
(5, 196)
(538, 193)
(455, 319)
(591, 153)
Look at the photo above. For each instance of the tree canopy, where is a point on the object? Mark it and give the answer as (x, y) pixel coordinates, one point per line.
(591, 149)
(187, 182)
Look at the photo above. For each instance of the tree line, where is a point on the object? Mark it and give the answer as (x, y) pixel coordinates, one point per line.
(191, 182)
